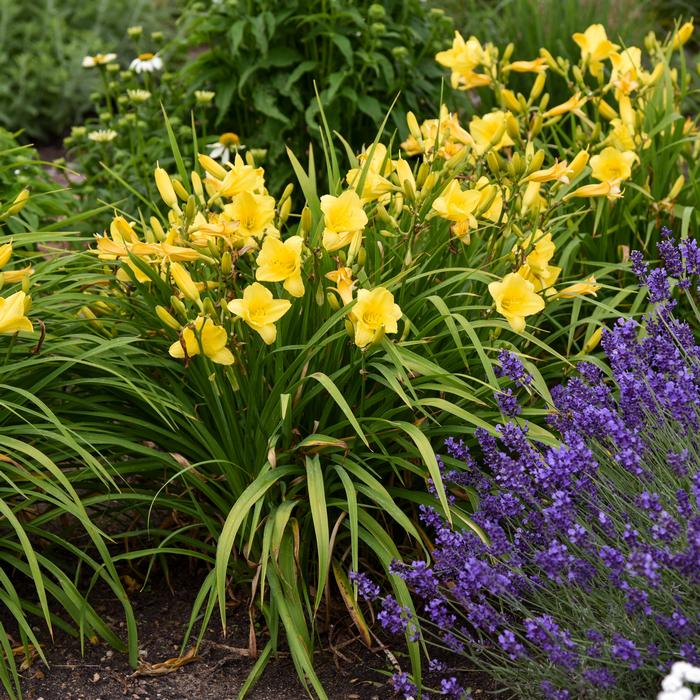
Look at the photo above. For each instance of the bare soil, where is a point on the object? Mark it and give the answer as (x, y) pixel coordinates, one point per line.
(217, 673)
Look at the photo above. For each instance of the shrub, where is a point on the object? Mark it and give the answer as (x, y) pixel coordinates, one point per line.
(267, 64)
(580, 576)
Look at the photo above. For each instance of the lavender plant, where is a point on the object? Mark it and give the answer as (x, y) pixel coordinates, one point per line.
(584, 579)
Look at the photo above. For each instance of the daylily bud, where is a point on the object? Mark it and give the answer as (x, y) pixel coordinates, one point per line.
(413, 126)
(179, 307)
(190, 209)
(538, 86)
(306, 221)
(211, 166)
(208, 307)
(429, 183)
(165, 187)
(423, 173)
(494, 162)
(682, 35)
(675, 190)
(5, 254)
(510, 100)
(27, 299)
(157, 229)
(180, 190)
(332, 301)
(508, 52)
(536, 125)
(184, 282)
(536, 161)
(250, 159)
(18, 203)
(516, 167)
(606, 111)
(349, 328)
(656, 74)
(226, 263)
(578, 75)
(286, 194)
(549, 58)
(197, 185)
(578, 164)
(285, 211)
(592, 343)
(362, 256)
(167, 318)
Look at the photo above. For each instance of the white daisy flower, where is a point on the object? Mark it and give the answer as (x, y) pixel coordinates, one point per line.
(99, 59)
(102, 135)
(146, 63)
(227, 143)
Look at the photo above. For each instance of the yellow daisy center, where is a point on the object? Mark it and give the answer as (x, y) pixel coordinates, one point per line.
(146, 56)
(229, 139)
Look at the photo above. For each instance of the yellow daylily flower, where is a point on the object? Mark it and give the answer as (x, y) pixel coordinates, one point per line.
(588, 286)
(344, 283)
(627, 72)
(13, 276)
(260, 310)
(457, 205)
(490, 131)
(494, 195)
(281, 262)
(595, 47)
(464, 56)
(344, 219)
(240, 178)
(374, 310)
(537, 65)
(620, 136)
(467, 80)
(612, 166)
(541, 249)
(254, 214)
(541, 282)
(573, 104)
(12, 314)
(598, 189)
(558, 171)
(515, 299)
(204, 338)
